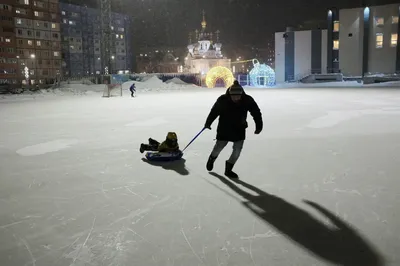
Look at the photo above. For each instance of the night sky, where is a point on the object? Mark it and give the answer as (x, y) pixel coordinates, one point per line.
(241, 22)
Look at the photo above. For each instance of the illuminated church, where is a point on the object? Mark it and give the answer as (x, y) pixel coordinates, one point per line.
(204, 51)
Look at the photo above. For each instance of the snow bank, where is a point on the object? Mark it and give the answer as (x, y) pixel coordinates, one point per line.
(154, 84)
(177, 81)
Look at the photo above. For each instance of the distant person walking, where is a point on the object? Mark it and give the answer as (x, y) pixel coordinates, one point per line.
(133, 90)
(232, 108)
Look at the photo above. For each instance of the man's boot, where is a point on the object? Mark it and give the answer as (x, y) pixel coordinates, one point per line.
(210, 163)
(228, 171)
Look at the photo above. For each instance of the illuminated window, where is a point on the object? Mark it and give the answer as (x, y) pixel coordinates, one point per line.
(336, 26)
(122, 36)
(18, 11)
(395, 19)
(393, 40)
(56, 54)
(38, 43)
(379, 40)
(8, 40)
(26, 2)
(36, 14)
(65, 21)
(379, 21)
(53, 25)
(63, 13)
(30, 42)
(336, 45)
(19, 21)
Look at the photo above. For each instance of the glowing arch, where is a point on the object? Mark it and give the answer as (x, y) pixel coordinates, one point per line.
(219, 72)
(262, 75)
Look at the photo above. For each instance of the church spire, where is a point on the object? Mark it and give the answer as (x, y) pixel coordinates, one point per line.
(204, 22)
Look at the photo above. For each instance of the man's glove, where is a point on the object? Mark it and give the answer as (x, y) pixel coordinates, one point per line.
(258, 131)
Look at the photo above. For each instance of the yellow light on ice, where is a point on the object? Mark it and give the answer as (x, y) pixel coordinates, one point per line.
(219, 72)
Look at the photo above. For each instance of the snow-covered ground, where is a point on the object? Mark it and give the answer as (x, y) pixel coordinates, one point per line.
(320, 185)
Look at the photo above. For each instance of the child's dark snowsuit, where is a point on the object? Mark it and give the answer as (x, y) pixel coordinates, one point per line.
(132, 89)
(169, 145)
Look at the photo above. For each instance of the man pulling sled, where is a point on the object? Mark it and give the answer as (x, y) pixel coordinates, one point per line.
(231, 108)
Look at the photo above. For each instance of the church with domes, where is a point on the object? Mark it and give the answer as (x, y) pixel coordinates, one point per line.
(204, 51)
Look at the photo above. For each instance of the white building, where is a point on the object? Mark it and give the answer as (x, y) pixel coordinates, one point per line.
(205, 53)
(300, 53)
(357, 42)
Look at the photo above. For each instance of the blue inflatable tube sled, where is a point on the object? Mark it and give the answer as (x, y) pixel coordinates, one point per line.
(156, 156)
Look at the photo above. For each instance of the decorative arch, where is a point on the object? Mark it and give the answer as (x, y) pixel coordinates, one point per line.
(219, 72)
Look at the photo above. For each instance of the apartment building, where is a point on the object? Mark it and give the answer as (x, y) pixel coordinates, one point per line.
(81, 38)
(8, 62)
(37, 41)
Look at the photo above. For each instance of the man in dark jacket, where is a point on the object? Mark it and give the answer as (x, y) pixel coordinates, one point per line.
(232, 109)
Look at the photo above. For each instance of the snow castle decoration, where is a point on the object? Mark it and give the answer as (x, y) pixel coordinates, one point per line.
(262, 75)
(204, 51)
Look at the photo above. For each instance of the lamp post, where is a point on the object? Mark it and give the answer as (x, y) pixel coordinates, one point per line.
(112, 64)
(33, 56)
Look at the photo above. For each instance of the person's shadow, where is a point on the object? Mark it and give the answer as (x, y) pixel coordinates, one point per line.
(177, 166)
(342, 245)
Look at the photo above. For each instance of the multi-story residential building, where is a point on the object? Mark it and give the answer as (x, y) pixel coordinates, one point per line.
(81, 37)
(357, 42)
(8, 62)
(37, 41)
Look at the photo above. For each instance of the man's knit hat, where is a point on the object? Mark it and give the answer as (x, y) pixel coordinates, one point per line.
(236, 89)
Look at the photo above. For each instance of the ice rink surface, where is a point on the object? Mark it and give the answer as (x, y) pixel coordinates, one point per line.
(319, 186)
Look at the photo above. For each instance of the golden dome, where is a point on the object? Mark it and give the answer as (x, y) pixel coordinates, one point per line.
(204, 23)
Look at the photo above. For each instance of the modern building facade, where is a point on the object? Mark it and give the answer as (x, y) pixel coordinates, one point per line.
(30, 51)
(357, 42)
(300, 53)
(368, 39)
(81, 37)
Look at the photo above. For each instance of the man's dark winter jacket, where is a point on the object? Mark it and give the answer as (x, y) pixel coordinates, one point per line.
(233, 117)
